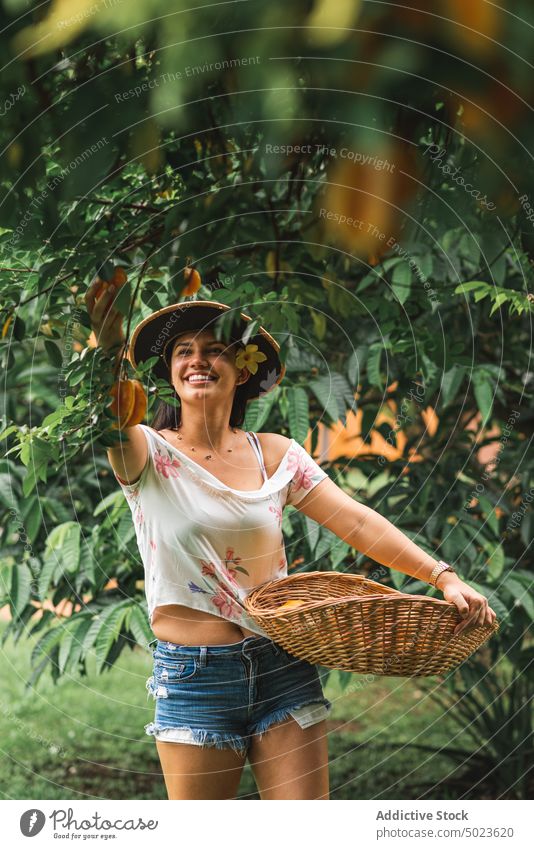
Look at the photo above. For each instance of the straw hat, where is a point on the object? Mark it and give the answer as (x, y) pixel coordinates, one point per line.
(155, 334)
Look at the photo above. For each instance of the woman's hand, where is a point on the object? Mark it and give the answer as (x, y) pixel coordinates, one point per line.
(473, 607)
(105, 320)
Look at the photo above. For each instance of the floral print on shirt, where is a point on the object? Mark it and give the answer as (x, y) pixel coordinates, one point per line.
(303, 471)
(165, 465)
(225, 604)
(224, 581)
(306, 473)
(133, 497)
(277, 510)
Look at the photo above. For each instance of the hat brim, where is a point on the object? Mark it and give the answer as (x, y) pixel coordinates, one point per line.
(155, 332)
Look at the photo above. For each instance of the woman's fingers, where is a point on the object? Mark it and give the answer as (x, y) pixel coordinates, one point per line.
(482, 615)
(90, 296)
(479, 614)
(106, 320)
(101, 305)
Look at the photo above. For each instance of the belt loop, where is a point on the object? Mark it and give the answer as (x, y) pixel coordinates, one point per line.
(276, 648)
(203, 656)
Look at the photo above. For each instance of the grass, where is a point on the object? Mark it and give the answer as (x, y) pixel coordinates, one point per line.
(84, 738)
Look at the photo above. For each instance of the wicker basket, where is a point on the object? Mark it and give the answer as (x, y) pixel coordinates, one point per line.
(352, 623)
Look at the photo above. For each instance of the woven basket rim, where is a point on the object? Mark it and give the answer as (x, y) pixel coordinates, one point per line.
(331, 575)
(310, 605)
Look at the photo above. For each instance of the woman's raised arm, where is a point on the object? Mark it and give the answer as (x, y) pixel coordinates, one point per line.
(127, 459)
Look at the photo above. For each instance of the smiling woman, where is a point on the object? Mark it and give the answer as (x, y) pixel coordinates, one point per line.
(208, 344)
(207, 501)
(209, 534)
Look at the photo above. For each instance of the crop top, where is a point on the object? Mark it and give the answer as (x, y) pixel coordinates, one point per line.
(203, 544)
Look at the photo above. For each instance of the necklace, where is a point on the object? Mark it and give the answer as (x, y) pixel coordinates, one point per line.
(206, 456)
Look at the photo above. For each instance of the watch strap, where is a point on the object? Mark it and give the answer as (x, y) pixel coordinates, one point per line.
(440, 567)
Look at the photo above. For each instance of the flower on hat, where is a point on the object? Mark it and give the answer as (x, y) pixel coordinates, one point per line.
(249, 357)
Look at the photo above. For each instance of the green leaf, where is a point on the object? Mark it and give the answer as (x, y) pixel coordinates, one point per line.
(373, 365)
(64, 541)
(55, 417)
(313, 531)
(521, 594)
(47, 642)
(7, 496)
(500, 299)
(398, 579)
(25, 453)
(495, 563)
(32, 515)
(29, 481)
(114, 499)
(20, 588)
(425, 264)
(491, 517)
(483, 390)
(319, 324)
(139, 627)
(298, 413)
(401, 281)
(250, 330)
(90, 637)
(326, 542)
(50, 564)
(81, 627)
(451, 382)
(53, 353)
(66, 644)
(259, 410)
(123, 298)
(322, 389)
(338, 552)
(355, 365)
(71, 548)
(344, 395)
(469, 287)
(7, 431)
(110, 628)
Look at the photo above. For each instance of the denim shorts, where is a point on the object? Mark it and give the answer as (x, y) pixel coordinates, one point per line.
(222, 695)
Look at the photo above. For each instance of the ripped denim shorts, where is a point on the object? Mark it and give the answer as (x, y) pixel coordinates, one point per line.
(222, 695)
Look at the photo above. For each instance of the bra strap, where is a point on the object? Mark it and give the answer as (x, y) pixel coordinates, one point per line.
(254, 441)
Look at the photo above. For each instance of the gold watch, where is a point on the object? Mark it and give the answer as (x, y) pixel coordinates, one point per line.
(440, 567)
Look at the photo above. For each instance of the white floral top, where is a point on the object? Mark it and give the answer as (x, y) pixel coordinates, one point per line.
(203, 544)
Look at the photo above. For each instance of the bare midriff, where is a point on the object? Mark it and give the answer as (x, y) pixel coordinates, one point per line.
(186, 626)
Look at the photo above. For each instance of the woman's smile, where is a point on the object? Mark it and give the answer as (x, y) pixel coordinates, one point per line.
(200, 380)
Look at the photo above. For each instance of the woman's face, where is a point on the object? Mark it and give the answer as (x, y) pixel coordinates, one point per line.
(200, 353)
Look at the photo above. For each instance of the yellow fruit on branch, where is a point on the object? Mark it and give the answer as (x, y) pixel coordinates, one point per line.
(193, 281)
(118, 279)
(129, 403)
